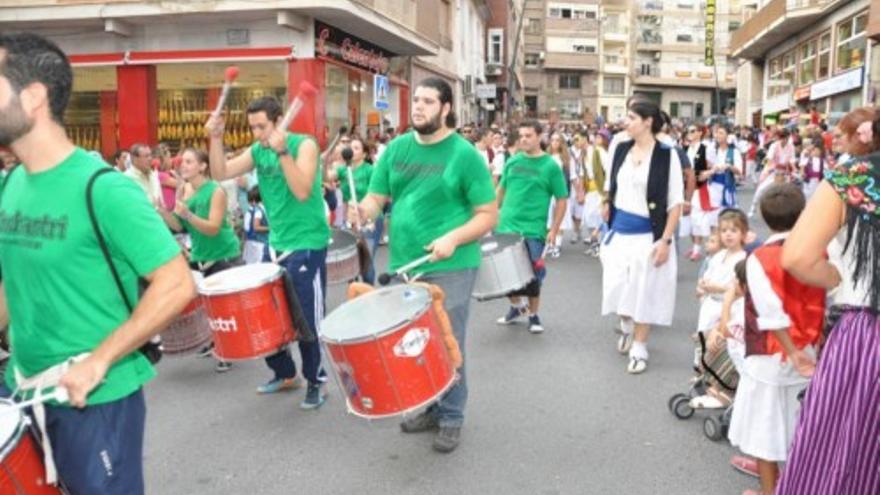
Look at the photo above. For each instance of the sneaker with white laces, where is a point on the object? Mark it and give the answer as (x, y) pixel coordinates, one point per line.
(513, 314)
(535, 324)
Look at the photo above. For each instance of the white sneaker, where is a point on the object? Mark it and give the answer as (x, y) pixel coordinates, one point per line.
(636, 366)
(535, 324)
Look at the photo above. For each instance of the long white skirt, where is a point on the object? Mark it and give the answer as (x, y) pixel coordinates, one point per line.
(567, 224)
(710, 314)
(574, 209)
(765, 413)
(593, 210)
(701, 220)
(632, 286)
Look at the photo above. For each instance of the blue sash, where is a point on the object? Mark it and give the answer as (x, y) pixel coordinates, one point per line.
(728, 181)
(627, 223)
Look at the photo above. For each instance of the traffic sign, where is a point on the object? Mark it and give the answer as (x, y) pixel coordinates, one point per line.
(381, 88)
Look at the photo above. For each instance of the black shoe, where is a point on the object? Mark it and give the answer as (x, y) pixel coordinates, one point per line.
(423, 422)
(447, 439)
(315, 397)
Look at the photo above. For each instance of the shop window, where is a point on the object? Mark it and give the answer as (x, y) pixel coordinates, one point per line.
(698, 110)
(183, 98)
(824, 57)
(851, 43)
(673, 109)
(82, 119)
(336, 88)
(570, 109)
(569, 81)
(531, 102)
(613, 85)
(807, 66)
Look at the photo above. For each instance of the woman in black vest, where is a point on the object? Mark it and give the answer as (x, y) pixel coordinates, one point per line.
(639, 266)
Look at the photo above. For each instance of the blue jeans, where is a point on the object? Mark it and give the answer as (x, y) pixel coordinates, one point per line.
(308, 272)
(98, 450)
(535, 247)
(458, 287)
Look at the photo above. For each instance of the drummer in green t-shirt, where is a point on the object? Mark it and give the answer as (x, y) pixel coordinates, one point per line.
(362, 171)
(201, 211)
(290, 185)
(443, 203)
(531, 180)
(69, 320)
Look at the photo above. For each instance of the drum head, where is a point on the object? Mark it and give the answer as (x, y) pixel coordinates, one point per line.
(375, 312)
(10, 427)
(498, 242)
(341, 239)
(240, 278)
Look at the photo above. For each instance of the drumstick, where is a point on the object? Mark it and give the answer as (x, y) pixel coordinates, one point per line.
(229, 76)
(386, 277)
(306, 90)
(59, 394)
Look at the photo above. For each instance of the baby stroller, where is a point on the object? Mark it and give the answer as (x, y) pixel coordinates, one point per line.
(717, 378)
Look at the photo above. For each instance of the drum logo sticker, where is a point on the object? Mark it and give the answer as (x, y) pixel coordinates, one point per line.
(223, 325)
(413, 342)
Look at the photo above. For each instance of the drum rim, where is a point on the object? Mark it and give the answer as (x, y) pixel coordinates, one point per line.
(205, 291)
(384, 332)
(455, 378)
(11, 443)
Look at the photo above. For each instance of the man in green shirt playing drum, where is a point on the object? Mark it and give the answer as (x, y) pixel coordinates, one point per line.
(443, 203)
(531, 180)
(69, 321)
(290, 185)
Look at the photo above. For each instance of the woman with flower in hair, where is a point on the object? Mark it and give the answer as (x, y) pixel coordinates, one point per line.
(837, 443)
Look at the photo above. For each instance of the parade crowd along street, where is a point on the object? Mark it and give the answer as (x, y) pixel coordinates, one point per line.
(227, 253)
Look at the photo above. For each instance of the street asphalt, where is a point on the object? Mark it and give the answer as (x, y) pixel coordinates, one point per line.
(548, 414)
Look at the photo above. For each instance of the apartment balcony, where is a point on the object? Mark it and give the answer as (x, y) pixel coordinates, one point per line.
(614, 64)
(703, 77)
(775, 22)
(571, 61)
(571, 25)
(615, 34)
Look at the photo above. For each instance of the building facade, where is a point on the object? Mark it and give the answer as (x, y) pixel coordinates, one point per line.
(561, 60)
(504, 59)
(616, 58)
(805, 54)
(682, 64)
(150, 72)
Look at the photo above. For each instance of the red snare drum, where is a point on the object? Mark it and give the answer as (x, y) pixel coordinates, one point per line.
(247, 311)
(21, 462)
(190, 330)
(388, 352)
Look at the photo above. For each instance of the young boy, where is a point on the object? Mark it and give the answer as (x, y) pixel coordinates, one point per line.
(783, 321)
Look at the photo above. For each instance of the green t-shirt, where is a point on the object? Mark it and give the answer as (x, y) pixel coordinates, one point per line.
(362, 176)
(61, 295)
(222, 246)
(529, 186)
(435, 189)
(296, 225)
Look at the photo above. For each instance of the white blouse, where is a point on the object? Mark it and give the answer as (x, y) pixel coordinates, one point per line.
(632, 185)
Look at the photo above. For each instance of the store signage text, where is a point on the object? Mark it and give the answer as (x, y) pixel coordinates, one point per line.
(330, 42)
(839, 84)
(802, 93)
(710, 33)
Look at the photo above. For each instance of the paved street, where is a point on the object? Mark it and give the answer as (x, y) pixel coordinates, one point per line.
(548, 414)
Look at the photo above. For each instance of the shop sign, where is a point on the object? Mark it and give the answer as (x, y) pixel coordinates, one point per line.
(486, 91)
(802, 93)
(333, 43)
(710, 33)
(838, 84)
(381, 89)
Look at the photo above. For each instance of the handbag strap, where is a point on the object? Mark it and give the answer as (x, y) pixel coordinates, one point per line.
(90, 205)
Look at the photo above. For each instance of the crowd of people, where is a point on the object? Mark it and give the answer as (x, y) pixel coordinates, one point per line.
(795, 311)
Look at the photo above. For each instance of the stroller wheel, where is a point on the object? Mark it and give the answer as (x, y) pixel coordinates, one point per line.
(681, 407)
(713, 428)
(672, 401)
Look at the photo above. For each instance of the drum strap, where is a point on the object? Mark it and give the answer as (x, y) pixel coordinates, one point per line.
(38, 384)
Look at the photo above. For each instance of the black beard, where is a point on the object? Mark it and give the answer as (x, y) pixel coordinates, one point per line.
(429, 127)
(13, 122)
